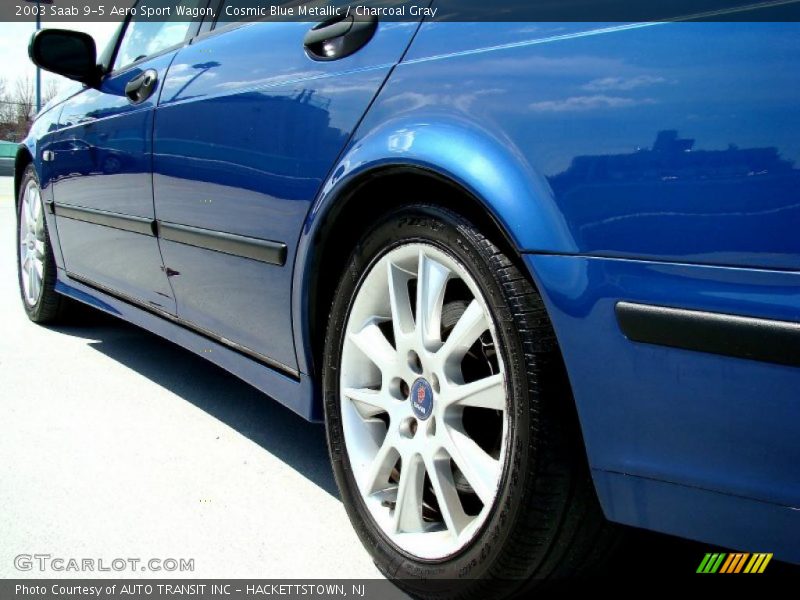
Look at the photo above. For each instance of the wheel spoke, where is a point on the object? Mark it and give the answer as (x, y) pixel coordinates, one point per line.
(408, 509)
(441, 476)
(480, 469)
(376, 477)
(26, 205)
(30, 205)
(488, 392)
(39, 246)
(24, 227)
(402, 317)
(33, 282)
(368, 402)
(432, 279)
(24, 273)
(374, 345)
(467, 330)
(36, 207)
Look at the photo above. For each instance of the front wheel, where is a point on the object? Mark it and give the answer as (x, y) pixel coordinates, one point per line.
(449, 417)
(36, 266)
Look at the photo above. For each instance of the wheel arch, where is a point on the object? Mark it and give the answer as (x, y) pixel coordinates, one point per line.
(346, 220)
(458, 165)
(23, 159)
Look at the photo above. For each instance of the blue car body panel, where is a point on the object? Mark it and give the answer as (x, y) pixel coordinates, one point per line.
(654, 163)
(271, 131)
(708, 422)
(612, 140)
(103, 161)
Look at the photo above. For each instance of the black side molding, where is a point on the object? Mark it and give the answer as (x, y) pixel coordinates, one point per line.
(101, 217)
(717, 333)
(266, 251)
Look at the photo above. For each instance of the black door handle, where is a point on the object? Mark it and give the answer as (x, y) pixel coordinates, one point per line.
(142, 86)
(337, 38)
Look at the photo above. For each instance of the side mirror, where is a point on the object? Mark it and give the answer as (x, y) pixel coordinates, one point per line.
(69, 53)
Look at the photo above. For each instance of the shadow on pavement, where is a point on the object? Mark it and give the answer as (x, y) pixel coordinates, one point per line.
(296, 442)
(301, 444)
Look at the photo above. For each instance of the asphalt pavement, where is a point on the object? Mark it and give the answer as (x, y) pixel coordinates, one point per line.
(117, 444)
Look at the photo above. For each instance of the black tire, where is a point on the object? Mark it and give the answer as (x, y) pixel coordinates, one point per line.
(547, 522)
(50, 306)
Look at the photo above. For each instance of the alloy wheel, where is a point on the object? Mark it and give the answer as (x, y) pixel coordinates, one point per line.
(31, 241)
(424, 401)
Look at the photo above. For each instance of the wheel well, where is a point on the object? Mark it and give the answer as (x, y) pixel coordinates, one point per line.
(23, 159)
(361, 204)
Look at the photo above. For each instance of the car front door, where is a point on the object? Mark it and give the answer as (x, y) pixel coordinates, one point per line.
(249, 123)
(101, 162)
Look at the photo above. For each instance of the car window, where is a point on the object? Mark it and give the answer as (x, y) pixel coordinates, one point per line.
(144, 38)
(106, 56)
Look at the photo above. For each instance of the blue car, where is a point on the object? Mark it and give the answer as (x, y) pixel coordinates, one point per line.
(540, 280)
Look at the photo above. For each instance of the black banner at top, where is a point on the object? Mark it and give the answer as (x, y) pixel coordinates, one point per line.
(65, 11)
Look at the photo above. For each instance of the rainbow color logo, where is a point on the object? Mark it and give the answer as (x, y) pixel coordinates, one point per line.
(736, 562)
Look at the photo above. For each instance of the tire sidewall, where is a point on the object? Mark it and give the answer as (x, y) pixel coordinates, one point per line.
(451, 233)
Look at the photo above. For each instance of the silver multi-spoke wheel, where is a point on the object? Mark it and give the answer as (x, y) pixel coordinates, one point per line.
(449, 414)
(31, 243)
(423, 400)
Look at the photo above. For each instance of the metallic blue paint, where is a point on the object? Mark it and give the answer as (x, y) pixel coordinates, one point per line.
(271, 131)
(702, 420)
(654, 163)
(103, 160)
(695, 513)
(620, 136)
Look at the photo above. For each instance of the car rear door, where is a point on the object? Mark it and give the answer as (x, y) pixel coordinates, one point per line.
(101, 163)
(249, 123)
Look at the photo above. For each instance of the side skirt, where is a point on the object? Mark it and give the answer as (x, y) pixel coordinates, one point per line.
(294, 393)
